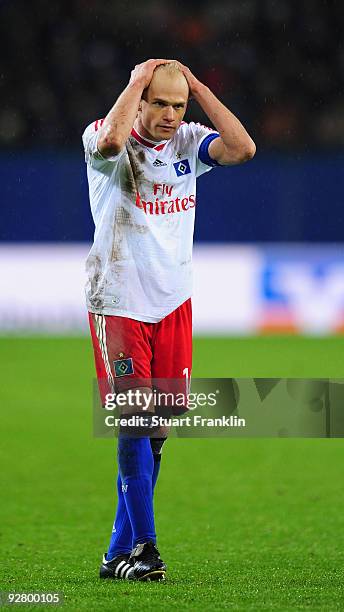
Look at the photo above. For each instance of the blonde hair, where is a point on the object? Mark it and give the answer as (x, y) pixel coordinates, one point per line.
(171, 67)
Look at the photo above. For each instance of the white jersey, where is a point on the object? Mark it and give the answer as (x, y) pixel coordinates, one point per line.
(143, 205)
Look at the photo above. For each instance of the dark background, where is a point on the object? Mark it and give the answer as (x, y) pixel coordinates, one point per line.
(279, 65)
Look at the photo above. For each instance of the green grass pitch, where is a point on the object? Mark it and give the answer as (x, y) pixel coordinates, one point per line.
(253, 524)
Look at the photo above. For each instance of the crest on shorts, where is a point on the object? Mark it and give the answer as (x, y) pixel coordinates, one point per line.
(123, 367)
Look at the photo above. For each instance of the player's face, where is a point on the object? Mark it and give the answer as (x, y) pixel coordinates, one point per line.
(164, 106)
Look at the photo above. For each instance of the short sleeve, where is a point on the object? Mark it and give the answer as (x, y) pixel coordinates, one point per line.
(203, 136)
(90, 141)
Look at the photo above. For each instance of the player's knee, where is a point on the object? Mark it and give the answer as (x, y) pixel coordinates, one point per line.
(139, 400)
(161, 432)
(138, 425)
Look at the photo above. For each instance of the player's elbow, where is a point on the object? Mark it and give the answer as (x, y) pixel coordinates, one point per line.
(109, 144)
(242, 153)
(248, 151)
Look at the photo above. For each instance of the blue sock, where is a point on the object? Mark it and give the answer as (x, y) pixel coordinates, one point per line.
(121, 537)
(135, 462)
(121, 541)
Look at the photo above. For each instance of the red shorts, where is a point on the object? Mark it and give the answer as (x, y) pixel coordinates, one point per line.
(130, 353)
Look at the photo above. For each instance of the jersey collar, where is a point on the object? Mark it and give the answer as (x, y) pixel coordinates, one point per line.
(157, 146)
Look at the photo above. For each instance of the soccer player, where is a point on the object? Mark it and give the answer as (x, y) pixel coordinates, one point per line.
(142, 165)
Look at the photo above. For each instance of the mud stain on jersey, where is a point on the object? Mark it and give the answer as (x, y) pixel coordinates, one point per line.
(124, 217)
(124, 225)
(141, 156)
(96, 280)
(185, 262)
(133, 179)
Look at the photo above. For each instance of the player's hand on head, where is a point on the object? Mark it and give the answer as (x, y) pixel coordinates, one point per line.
(143, 73)
(193, 82)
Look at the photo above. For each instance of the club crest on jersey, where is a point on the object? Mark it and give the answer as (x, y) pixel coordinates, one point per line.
(123, 367)
(182, 167)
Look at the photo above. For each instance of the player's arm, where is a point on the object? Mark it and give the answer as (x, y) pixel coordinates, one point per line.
(234, 146)
(120, 119)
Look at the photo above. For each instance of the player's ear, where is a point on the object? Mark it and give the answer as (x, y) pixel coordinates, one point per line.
(140, 104)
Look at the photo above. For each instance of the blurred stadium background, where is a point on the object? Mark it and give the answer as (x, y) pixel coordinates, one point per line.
(268, 254)
(269, 260)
